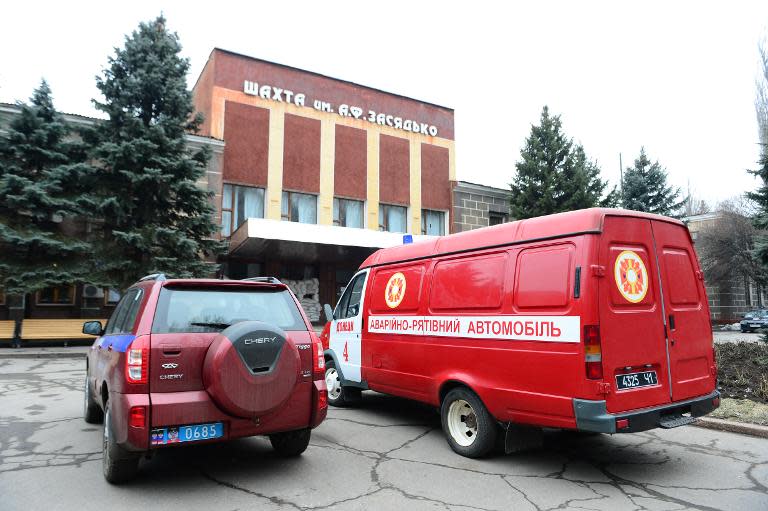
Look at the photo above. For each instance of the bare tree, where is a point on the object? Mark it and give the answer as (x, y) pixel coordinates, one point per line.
(726, 245)
(761, 96)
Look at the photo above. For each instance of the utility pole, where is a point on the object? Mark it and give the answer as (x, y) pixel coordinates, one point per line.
(621, 181)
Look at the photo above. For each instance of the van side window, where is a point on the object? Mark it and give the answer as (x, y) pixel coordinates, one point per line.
(396, 290)
(468, 283)
(544, 277)
(683, 289)
(349, 305)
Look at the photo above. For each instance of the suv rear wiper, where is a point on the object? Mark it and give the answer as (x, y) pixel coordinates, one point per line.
(212, 325)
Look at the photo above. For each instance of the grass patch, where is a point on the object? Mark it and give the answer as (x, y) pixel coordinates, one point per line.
(742, 410)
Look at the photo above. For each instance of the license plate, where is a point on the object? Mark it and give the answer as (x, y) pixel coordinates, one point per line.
(635, 380)
(192, 433)
(754, 324)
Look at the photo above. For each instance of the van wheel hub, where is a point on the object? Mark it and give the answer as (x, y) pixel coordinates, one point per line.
(462, 423)
(332, 383)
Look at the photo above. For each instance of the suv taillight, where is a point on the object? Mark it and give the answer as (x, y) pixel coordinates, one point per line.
(319, 360)
(593, 355)
(137, 361)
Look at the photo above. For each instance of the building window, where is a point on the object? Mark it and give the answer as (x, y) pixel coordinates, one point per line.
(433, 222)
(56, 295)
(495, 218)
(347, 213)
(239, 203)
(392, 218)
(299, 207)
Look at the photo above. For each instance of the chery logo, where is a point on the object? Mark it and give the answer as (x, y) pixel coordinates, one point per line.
(259, 340)
(170, 366)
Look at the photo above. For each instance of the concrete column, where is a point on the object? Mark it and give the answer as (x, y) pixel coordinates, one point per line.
(415, 175)
(275, 163)
(373, 180)
(327, 162)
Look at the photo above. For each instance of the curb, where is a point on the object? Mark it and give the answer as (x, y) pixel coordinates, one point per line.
(742, 428)
(54, 354)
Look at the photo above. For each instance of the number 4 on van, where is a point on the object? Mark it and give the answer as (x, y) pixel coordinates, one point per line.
(487, 323)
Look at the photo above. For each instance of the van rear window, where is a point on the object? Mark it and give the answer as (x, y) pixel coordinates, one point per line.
(470, 283)
(543, 277)
(681, 277)
(212, 310)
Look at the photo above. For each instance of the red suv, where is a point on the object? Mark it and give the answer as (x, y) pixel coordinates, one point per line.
(195, 360)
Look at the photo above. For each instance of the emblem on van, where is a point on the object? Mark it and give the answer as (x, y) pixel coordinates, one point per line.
(394, 292)
(631, 276)
(170, 366)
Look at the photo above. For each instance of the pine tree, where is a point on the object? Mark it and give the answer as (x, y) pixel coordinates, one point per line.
(155, 217)
(760, 220)
(588, 189)
(645, 188)
(554, 175)
(41, 195)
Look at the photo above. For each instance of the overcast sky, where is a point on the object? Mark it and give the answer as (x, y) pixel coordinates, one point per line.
(675, 77)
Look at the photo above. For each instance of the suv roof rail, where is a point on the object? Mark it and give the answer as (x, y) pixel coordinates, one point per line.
(153, 276)
(270, 280)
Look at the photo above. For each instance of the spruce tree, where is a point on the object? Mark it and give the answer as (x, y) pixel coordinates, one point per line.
(645, 188)
(554, 175)
(760, 220)
(155, 217)
(41, 196)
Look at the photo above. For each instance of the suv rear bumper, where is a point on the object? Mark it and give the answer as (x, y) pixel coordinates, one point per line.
(593, 416)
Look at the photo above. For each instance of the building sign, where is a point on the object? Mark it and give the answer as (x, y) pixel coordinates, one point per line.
(383, 119)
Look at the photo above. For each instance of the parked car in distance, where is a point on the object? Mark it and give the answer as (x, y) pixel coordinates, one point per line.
(754, 320)
(593, 320)
(199, 361)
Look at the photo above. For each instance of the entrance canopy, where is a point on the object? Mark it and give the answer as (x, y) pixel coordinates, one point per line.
(260, 238)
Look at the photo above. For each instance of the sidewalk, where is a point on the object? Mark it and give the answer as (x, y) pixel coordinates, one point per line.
(47, 352)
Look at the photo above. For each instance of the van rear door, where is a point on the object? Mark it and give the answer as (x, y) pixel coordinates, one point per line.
(633, 340)
(685, 303)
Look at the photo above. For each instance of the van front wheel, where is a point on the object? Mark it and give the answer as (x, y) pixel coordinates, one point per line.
(339, 395)
(468, 426)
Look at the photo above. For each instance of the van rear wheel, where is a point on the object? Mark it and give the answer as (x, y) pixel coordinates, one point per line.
(468, 426)
(339, 395)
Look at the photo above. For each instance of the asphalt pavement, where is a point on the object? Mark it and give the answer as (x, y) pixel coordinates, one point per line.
(388, 454)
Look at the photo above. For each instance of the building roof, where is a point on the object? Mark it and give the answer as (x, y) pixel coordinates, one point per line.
(584, 221)
(468, 187)
(13, 108)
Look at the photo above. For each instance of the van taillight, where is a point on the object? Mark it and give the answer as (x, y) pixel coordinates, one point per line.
(137, 361)
(593, 355)
(319, 360)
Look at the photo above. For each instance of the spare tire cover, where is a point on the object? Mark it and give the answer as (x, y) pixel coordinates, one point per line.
(250, 369)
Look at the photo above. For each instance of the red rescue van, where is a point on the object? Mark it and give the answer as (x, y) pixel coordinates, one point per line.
(594, 320)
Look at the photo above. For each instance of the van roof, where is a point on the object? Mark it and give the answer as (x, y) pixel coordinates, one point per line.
(571, 223)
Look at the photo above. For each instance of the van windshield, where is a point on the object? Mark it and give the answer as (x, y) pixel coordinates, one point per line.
(213, 310)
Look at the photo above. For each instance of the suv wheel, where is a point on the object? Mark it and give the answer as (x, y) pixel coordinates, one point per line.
(290, 443)
(468, 426)
(118, 464)
(91, 411)
(338, 395)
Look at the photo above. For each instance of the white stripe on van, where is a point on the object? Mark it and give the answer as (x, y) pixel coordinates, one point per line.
(513, 328)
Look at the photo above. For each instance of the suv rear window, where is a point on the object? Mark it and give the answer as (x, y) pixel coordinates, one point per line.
(212, 310)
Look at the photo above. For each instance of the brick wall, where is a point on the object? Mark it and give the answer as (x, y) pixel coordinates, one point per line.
(474, 205)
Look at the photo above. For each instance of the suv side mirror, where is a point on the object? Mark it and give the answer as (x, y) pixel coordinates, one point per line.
(93, 328)
(328, 312)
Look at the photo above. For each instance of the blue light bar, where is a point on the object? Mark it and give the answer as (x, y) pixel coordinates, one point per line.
(407, 238)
